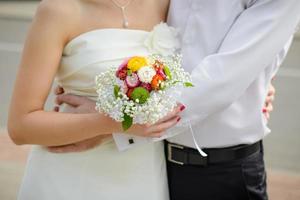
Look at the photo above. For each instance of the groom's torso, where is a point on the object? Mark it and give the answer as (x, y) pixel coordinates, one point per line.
(203, 25)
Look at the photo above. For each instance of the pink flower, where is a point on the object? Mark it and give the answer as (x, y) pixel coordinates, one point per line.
(132, 80)
(121, 74)
(161, 72)
(122, 70)
(124, 64)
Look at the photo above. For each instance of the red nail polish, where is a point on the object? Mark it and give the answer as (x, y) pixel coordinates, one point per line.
(56, 108)
(264, 110)
(182, 108)
(179, 118)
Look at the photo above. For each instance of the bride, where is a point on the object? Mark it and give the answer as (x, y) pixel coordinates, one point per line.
(74, 40)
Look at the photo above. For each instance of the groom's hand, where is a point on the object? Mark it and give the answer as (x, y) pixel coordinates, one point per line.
(77, 104)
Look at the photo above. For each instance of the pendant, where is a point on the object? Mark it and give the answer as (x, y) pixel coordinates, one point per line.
(125, 24)
(125, 20)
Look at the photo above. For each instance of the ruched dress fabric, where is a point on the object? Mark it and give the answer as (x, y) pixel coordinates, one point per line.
(102, 173)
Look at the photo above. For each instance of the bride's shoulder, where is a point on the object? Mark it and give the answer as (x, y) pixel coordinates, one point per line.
(66, 11)
(58, 15)
(65, 8)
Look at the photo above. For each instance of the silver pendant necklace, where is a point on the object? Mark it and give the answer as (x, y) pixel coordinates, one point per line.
(123, 9)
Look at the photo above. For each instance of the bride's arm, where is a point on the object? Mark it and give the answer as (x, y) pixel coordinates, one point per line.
(28, 122)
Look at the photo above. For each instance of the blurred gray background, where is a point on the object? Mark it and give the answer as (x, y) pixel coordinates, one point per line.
(282, 146)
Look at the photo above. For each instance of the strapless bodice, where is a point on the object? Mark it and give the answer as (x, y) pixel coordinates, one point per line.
(95, 51)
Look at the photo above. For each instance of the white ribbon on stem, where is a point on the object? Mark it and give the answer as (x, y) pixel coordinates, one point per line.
(202, 153)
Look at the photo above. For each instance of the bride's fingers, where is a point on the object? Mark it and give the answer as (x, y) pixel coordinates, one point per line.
(162, 127)
(179, 108)
(157, 129)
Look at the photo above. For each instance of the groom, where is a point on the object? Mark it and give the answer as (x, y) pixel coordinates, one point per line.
(232, 49)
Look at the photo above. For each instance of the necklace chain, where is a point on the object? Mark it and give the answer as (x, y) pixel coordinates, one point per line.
(123, 9)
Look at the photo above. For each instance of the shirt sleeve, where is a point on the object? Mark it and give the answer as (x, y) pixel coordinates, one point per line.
(282, 55)
(255, 39)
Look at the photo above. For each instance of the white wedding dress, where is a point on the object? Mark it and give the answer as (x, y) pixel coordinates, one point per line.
(102, 173)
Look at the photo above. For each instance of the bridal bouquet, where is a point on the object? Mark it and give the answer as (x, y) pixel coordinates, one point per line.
(142, 89)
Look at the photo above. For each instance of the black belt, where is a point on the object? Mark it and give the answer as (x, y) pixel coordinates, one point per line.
(188, 156)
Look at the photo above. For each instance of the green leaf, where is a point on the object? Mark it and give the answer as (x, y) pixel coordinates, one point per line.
(116, 91)
(129, 72)
(168, 72)
(127, 123)
(162, 86)
(188, 84)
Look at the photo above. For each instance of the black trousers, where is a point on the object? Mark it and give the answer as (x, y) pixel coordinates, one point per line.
(243, 179)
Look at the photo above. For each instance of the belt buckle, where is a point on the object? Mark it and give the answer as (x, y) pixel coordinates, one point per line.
(170, 146)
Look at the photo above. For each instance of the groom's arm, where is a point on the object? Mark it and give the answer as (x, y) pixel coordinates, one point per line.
(253, 42)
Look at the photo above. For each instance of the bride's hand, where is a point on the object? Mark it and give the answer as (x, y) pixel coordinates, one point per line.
(158, 129)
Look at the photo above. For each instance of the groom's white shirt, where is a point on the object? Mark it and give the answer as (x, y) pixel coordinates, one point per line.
(232, 48)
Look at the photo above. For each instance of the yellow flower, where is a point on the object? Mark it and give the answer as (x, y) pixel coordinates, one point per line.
(135, 63)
